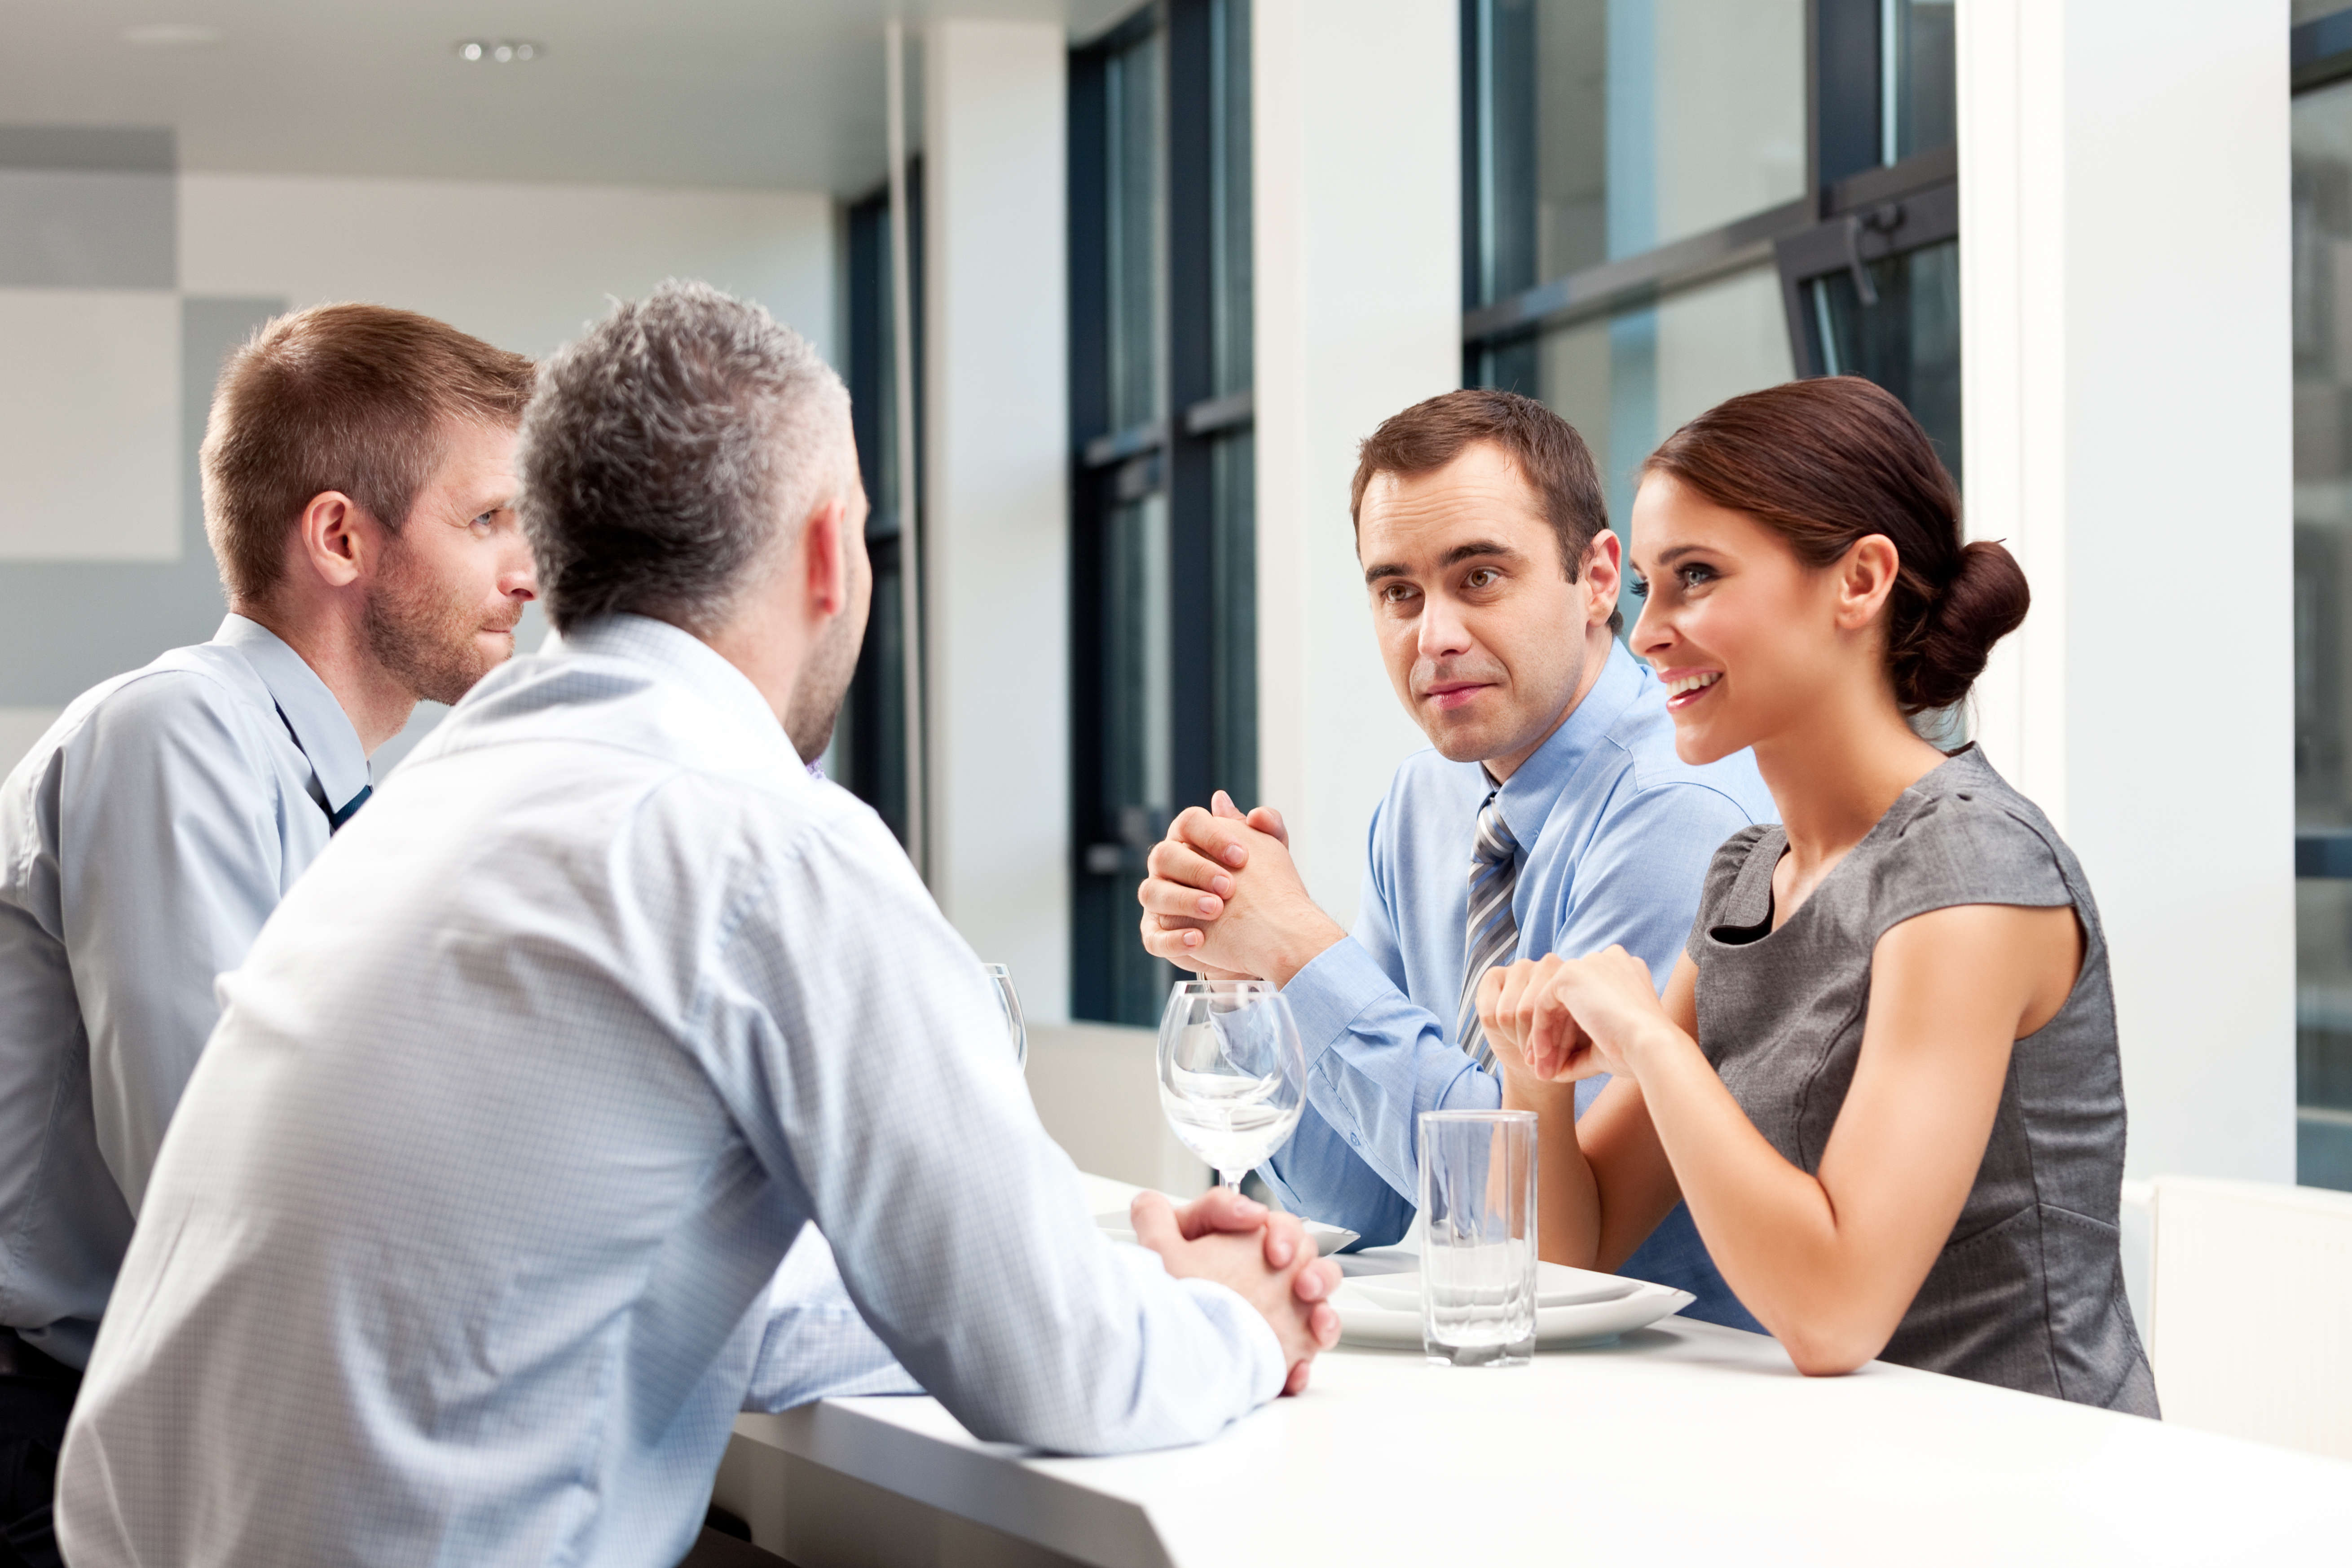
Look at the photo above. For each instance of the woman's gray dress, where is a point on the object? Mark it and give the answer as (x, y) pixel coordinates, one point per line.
(2029, 1292)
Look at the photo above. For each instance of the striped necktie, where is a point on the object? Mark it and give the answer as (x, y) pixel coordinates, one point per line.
(1493, 933)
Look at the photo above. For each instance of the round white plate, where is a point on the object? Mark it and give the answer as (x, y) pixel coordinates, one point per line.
(1327, 1239)
(1556, 1285)
(1364, 1322)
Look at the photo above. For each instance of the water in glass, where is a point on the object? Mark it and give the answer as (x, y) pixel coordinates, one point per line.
(1478, 1250)
(1232, 1071)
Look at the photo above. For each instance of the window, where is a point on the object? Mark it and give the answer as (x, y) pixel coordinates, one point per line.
(869, 744)
(1164, 674)
(1669, 202)
(2321, 56)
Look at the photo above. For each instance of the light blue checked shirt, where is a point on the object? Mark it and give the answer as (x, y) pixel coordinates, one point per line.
(461, 1247)
(1615, 834)
(143, 841)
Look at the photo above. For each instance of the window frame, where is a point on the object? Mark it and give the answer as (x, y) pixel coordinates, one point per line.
(1174, 454)
(1855, 210)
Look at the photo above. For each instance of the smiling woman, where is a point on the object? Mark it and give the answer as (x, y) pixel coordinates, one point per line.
(1884, 1075)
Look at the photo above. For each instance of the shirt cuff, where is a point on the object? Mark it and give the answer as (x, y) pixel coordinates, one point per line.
(1242, 1326)
(1252, 1334)
(1331, 992)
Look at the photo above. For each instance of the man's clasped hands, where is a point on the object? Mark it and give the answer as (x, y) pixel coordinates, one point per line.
(1225, 899)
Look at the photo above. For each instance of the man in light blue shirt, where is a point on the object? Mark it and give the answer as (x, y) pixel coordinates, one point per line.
(461, 1248)
(358, 489)
(1550, 815)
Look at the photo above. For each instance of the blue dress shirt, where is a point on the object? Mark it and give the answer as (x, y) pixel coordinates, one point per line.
(1615, 834)
(143, 841)
(465, 1244)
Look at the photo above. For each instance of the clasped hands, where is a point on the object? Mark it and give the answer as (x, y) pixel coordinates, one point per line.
(1266, 1258)
(1560, 1019)
(1225, 900)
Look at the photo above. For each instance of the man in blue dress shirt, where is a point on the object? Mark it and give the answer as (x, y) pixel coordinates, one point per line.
(461, 1250)
(1550, 815)
(358, 497)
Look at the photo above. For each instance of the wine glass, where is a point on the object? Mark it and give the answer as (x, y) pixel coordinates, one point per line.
(1232, 1072)
(999, 976)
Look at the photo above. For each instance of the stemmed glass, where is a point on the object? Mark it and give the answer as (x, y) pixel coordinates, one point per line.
(1232, 1072)
(1000, 977)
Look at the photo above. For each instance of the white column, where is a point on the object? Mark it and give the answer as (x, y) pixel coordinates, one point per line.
(1358, 210)
(2129, 430)
(997, 453)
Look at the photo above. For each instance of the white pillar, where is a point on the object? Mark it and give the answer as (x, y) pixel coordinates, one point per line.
(996, 527)
(1358, 212)
(2123, 237)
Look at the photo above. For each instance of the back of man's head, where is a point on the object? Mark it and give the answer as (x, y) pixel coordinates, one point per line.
(669, 454)
(352, 398)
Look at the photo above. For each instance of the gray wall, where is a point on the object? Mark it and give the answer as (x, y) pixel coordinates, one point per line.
(85, 208)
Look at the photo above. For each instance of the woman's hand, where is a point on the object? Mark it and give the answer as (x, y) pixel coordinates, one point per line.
(1571, 1019)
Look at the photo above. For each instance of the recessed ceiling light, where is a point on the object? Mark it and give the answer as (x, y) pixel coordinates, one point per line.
(499, 51)
(172, 34)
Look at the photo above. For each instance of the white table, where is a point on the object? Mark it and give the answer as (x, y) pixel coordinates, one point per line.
(1683, 1443)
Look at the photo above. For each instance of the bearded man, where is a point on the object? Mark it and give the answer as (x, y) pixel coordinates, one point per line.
(358, 497)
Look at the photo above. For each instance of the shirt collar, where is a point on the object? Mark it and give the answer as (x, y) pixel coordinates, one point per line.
(1529, 794)
(320, 727)
(684, 658)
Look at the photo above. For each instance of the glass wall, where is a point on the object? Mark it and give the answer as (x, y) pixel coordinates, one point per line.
(1628, 380)
(1618, 127)
(2323, 650)
(1671, 202)
(1163, 543)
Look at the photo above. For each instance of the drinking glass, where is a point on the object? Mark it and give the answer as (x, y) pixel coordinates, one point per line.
(1478, 1253)
(1232, 1072)
(999, 976)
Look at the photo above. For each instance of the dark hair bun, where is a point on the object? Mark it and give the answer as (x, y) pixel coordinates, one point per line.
(1985, 601)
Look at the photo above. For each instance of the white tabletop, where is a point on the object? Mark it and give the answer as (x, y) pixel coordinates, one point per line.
(1683, 1443)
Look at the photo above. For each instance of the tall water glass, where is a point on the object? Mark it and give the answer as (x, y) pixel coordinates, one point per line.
(1478, 1252)
(1001, 978)
(1232, 1071)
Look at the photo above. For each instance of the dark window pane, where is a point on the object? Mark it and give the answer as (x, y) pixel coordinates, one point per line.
(1604, 128)
(1128, 806)
(1137, 251)
(1233, 610)
(2321, 185)
(1920, 81)
(869, 746)
(1908, 342)
(1228, 192)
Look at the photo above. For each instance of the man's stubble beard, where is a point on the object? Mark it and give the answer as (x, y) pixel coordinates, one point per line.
(823, 681)
(426, 640)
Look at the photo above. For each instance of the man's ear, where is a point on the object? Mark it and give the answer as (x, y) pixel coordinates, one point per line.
(1604, 576)
(824, 547)
(328, 537)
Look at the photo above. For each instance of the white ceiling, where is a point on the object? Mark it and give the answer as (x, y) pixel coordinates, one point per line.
(776, 93)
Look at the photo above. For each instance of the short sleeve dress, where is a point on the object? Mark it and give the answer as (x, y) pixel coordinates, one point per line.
(2028, 1291)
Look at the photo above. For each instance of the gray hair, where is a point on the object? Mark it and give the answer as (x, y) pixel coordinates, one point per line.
(669, 454)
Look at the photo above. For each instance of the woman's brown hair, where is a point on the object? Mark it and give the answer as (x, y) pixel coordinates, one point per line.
(1826, 462)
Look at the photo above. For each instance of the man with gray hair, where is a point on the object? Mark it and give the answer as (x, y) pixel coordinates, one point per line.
(461, 1248)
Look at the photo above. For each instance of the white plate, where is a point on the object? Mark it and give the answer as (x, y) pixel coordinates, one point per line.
(1556, 1285)
(1327, 1239)
(1363, 1322)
